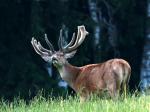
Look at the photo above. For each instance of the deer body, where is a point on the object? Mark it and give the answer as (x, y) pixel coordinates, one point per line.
(111, 75)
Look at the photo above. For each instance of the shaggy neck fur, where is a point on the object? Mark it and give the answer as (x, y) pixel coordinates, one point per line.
(69, 73)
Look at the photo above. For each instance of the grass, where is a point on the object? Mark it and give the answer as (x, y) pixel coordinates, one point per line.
(40, 104)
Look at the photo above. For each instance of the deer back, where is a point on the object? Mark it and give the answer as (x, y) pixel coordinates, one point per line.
(99, 77)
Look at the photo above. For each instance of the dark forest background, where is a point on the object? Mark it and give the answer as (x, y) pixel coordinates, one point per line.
(23, 73)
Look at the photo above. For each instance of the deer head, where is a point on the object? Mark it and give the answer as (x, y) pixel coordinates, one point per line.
(59, 58)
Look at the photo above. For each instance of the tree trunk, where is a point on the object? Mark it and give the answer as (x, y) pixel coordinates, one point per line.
(111, 29)
(97, 29)
(145, 68)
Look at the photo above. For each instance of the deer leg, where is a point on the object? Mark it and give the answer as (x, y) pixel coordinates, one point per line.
(84, 97)
(83, 93)
(113, 91)
(124, 88)
(127, 83)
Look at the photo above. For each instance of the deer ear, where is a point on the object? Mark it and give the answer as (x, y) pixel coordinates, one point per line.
(47, 59)
(70, 55)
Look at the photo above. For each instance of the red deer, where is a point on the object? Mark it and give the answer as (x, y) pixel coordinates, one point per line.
(111, 75)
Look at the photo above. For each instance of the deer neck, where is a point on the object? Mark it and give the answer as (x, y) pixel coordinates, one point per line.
(69, 73)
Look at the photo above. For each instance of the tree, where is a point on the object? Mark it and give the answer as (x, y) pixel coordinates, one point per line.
(145, 67)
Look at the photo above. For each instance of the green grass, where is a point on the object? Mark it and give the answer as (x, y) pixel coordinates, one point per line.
(40, 104)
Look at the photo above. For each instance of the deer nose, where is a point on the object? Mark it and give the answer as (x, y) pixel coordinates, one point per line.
(54, 59)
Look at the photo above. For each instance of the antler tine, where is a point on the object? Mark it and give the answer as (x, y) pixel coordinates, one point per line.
(60, 41)
(79, 40)
(37, 47)
(43, 49)
(49, 43)
(71, 42)
(83, 34)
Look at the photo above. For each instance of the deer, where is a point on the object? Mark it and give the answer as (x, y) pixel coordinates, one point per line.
(111, 76)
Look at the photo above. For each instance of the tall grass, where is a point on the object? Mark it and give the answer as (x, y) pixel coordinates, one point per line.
(40, 104)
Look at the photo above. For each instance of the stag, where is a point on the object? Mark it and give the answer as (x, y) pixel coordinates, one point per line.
(112, 75)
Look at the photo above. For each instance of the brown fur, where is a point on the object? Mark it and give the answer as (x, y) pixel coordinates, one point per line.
(109, 75)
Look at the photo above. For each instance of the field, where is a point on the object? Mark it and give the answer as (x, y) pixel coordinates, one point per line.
(40, 104)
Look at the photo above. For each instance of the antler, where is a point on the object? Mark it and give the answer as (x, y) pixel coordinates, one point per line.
(49, 43)
(75, 42)
(40, 49)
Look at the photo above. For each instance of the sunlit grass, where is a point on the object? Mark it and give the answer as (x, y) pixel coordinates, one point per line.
(70, 104)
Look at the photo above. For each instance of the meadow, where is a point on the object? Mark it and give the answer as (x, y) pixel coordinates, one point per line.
(131, 103)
